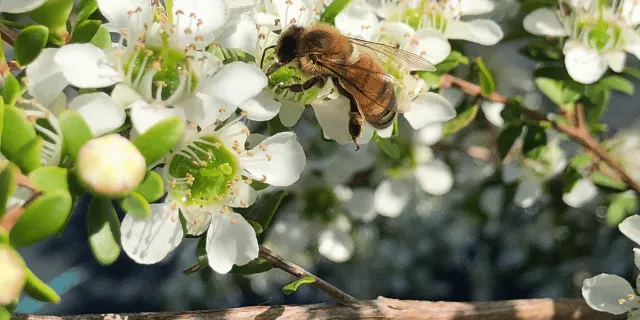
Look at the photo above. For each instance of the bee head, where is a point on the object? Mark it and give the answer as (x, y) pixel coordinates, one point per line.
(286, 50)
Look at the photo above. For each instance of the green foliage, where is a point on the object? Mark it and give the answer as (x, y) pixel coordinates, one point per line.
(621, 206)
(387, 146)
(542, 51)
(20, 144)
(256, 227)
(507, 138)
(44, 217)
(487, 84)
(85, 31)
(607, 182)
(258, 265)
(85, 9)
(136, 205)
(463, 118)
(551, 88)
(75, 131)
(30, 42)
(49, 179)
(275, 126)
(263, 211)
(158, 140)
(454, 59)
(152, 187)
(11, 90)
(535, 141)
(39, 290)
(512, 112)
(102, 38)
(617, 83)
(54, 15)
(103, 228)
(8, 180)
(293, 286)
(331, 11)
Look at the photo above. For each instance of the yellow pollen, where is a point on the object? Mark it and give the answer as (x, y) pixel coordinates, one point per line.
(268, 156)
(262, 147)
(234, 220)
(188, 31)
(156, 65)
(264, 178)
(621, 301)
(244, 203)
(217, 145)
(249, 153)
(293, 20)
(173, 219)
(179, 12)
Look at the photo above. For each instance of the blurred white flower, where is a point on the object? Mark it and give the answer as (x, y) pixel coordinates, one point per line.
(610, 293)
(207, 175)
(20, 6)
(599, 34)
(582, 193)
(625, 148)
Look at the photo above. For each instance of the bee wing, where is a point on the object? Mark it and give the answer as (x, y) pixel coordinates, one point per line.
(403, 58)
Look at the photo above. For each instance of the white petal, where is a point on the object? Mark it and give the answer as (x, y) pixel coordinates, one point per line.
(262, 107)
(630, 227)
(636, 259)
(430, 134)
(603, 291)
(300, 11)
(209, 15)
(583, 192)
(631, 11)
(391, 197)
(492, 112)
(422, 154)
(356, 21)
(214, 109)
(100, 111)
(290, 113)
(144, 115)
(434, 177)
(481, 31)
(125, 95)
(429, 108)
(230, 240)
(453, 95)
(117, 11)
(268, 20)
(584, 65)
(360, 206)
(149, 241)
(476, 7)
(86, 66)
(243, 36)
(544, 22)
(336, 245)
(430, 44)
(236, 82)
(46, 80)
(616, 60)
(243, 196)
(229, 135)
(20, 6)
(528, 192)
(281, 161)
(333, 117)
(196, 221)
(383, 133)
(394, 33)
(254, 139)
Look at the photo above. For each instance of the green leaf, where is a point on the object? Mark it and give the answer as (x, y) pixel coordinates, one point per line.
(43, 218)
(201, 253)
(432, 78)
(256, 227)
(29, 43)
(258, 185)
(293, 286)
(617, 83)
(136, 205)
(595, 104)
(535, 140)
(49, 178)
(4, 236)
(581, 161)
(542, 51)
(551, 88)
(571, 92)
(152, 187)
(268, 208)
(387, 146)
(53, 14)
(39, 290)
(75, 131)
(275, 126)
(512, 112)
(487, 85)
(20, 143)
(570, 178)
(11, 90)
(632, 71)
(607, 181)
(85, 31)
(622, 205)
(85, 9)
(158, 140)
(507, 138)
(103, 228)
(330, 12)
(102, 38)
(462, 119)
(8, 184)
(258, 265)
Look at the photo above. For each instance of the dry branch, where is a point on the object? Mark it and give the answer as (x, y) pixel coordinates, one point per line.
(382, 308)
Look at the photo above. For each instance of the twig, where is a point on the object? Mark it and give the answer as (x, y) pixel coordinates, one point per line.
(476, 152)
(9, 36)
(381, 308)
(10, 217)
(579, 132)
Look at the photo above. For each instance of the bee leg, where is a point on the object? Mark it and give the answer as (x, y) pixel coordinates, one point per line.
(305, 85)
(356, 122)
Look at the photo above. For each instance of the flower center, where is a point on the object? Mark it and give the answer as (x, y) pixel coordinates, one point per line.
(432, 17)
(203, 172)
(602, 35)
(289, 75)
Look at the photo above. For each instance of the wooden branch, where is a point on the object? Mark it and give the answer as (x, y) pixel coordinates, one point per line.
(579, 132)
(382, 308)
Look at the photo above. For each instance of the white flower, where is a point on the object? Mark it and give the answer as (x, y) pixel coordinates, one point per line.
(582, 193)
(609, 293)
(207, 175)
(279, 14)
(20, 6)
(625, 148)
(599, 34)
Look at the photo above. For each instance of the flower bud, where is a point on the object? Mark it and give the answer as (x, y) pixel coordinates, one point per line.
(110, 165)
(12, 275)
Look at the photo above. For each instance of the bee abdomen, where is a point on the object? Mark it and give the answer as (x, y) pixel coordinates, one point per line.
(385, 118)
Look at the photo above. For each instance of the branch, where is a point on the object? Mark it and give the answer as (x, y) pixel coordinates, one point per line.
(579, 132)
(382, 308)
(9, 36)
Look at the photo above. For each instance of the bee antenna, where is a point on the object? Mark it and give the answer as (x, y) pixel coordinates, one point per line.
(264, 54)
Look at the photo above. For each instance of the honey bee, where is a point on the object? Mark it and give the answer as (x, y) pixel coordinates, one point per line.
(323, 52)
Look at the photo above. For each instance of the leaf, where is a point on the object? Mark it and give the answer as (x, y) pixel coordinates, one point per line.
(158, 140)
(11, 90)
(617, 83)
(331, 11)
(8, 184)
(258, 265)
(293, 286)
(29, 43)
(535, 140)
(136, 205)
(542, 51)
(85, 9)
(512, 112)
(551, 88)
(632, 71)
(570, 178)
(75, 131)
(607, 181)
(487, 85)
(507, 138)
(201, 253)
(43, 218)
(571, 92)
(53, 14)
(258, 185)
(463, 118)
(581, 161)
(275, 126)
(595, 104)
(387, 146)
(20, 143)
(432, 78)
(152, 187)
(268, 208)
(103, 228)
(102, 38)
(622, 205)
(49, 178)
(85, 31)
(39, 290)
(256, 227)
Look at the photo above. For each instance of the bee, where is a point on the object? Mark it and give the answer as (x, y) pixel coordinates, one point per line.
(354, 67)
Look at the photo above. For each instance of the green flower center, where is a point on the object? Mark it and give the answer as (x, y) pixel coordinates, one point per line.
(419, 18)
(289, 75)
(204, 172)
(601, 34)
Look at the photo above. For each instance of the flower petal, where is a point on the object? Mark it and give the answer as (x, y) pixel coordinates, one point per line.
(20, 6)
(214, 109)
(382, 133)
(236, 82)
(476, 7)
(429, 108)
(262, 107)
(196, 221)
(528, 192)
(583, 192)
(290, 113)
(544, 22)
(630, 227)
(391, 197)
(46, 80)
(86, 66)
(230, 135)
(631, 11)
(584, 65)
(242, 35)
(333, 117)
(481, 31)
(124, 95)
(434, 177)
(430, 134)
(636, 261)
(208, 15)
(299, 12)
(616, 60)
(336, 245)
(394, 33)
(603, 291)
(243, 195)
(279, 158)
(144, 115)
(356, 21)
(360, 205)
(230, 240)
(149, 241)
(101, 112)
(430, 44)
(492, 112)
(119, 12)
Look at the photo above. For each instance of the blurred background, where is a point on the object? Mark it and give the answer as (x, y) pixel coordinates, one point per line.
(472, 243)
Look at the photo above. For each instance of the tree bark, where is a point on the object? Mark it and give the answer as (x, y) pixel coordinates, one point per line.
(382, 308)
